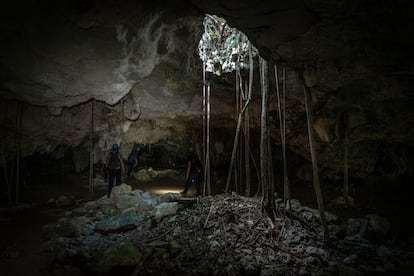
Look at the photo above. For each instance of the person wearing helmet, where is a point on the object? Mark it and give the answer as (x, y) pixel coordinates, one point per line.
(114, 164)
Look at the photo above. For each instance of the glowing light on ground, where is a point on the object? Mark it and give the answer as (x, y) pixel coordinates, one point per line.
(162, 191)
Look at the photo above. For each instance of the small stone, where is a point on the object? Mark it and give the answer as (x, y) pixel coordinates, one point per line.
(214, 245)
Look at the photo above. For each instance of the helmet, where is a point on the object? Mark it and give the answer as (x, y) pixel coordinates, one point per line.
(115, 146)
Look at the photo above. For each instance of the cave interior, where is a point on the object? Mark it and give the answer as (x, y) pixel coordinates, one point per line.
(294, 108)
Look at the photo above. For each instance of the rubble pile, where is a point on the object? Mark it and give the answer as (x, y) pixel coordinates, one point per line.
(216, 235)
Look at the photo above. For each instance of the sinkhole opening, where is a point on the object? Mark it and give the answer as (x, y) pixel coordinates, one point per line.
(222, 48)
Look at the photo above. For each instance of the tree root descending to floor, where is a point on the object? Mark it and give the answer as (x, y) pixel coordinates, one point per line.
(138, 233)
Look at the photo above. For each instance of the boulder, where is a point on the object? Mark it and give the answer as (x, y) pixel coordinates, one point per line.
(128, 201)
(122, 256)
(120, 190)
(147, 198)
(119, 223)
(169, 197)
(164, 209)
(142, 175)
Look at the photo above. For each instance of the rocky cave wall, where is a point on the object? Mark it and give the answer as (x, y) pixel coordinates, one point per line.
(133, 59)
(138, 60)
(355, 58)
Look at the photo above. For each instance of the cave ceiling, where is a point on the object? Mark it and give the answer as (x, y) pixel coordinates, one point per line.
(354, 56)
(62, 54)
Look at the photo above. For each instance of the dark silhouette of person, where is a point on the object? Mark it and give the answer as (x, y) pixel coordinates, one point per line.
(114, 164)
(132, 162)
(193, 172)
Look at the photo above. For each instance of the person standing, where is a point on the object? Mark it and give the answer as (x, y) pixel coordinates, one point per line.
(132, 162)
(114, 165)
(193, 172)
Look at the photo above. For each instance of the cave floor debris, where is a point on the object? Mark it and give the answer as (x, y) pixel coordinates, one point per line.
(164, 234)
(215, 235)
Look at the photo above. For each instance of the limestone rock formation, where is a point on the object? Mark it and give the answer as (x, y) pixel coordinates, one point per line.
(138, 62)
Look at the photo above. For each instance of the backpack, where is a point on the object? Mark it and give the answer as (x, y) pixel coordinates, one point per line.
(114, 161)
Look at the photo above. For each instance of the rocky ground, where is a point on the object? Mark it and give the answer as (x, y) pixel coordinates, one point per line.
(139, 233)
